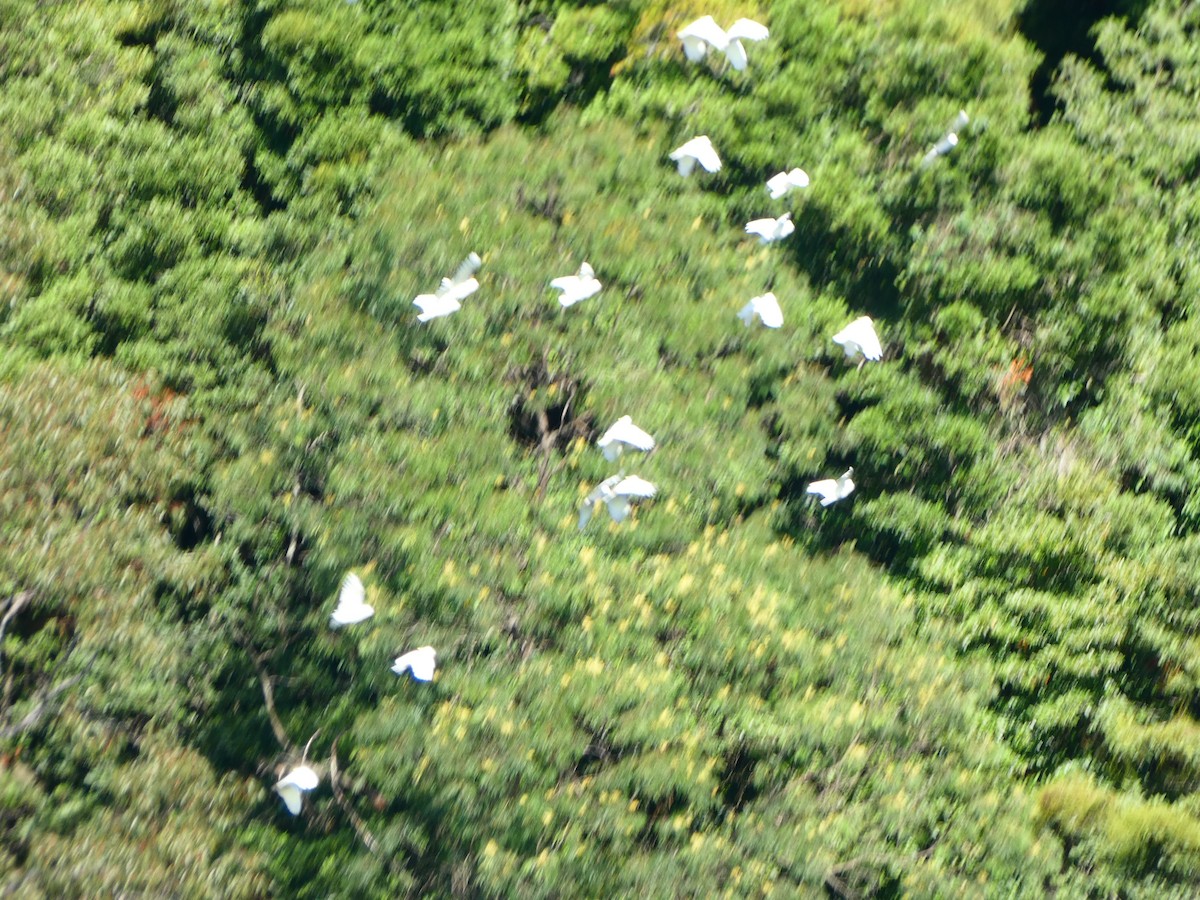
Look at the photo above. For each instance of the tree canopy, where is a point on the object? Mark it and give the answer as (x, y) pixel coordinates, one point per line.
(977, 675)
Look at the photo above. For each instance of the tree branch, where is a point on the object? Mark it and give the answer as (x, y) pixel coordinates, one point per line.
(15, 604)
(34, 717)
(356, 821)
(268, 690)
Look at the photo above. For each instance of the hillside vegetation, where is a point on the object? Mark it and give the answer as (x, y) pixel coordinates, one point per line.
(979, 675)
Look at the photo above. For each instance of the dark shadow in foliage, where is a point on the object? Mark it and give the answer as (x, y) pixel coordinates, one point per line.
(601, 751)
(161, 103)
(548, 206)
(868, 284)
(659, 811)
(275, 136)
(737, 778)
(240, 732)
(817, 528)
(553, 423)
(189, 522)
(861, 877)
(588, 78)
(1061, 27)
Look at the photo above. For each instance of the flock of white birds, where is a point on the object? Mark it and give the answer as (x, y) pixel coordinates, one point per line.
(352, 608)
(859, 340)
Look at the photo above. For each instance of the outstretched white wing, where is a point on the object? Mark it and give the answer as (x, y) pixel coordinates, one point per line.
(420, 663)
(618, 508)
(701, 34)
(832, 490)
(633, 486)
(352, 604)
(859, 337)
(764, 228)
(466, 269)
(303, 777)
(747, 30)
(736, 54)
(706, 155)
(779, 185)
(459, 290)
(697, 150)
(623, 432)
(447, 299)
(742, 30)
(434, 306)
(766, 308)
(291, 797)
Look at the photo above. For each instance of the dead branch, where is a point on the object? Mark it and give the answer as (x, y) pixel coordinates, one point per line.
(356, 821)
(43, 705)
(15, 604)
(268, 690)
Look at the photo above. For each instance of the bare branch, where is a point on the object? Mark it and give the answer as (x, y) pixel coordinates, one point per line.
(268, 690)
(44, 702)
(15, 604)
(309, 744)
(356, 821)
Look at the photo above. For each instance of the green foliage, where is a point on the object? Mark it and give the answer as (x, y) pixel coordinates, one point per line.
(977, 676)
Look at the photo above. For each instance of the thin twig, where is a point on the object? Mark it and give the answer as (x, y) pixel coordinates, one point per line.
(309, 744)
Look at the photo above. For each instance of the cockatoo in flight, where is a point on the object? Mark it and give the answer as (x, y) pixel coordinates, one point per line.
(697, 150)
(859, 339)
(576, 287)
(448, 297)
(831, 490)
(623, 434)
(766, 308)
(419, 663)
(779, 185)
(617, 493)
(949, 141)
(771, 230)
(294, 784)
(705, 33)
(352, 603)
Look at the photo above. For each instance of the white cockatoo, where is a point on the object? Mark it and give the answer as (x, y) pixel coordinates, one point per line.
(859, 339)
(697, 150)
(576, 287)
(294, 784)
(949, 140)
(623, 434)
(352, 603)
(449, 296)
(831, 490)
(766, 308)
(705, 33)
(617, 493)
(419, 663)
(771, 230)
(779, 185)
